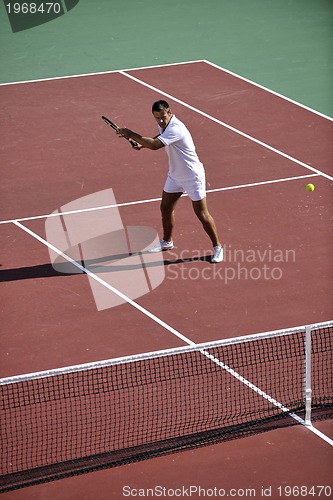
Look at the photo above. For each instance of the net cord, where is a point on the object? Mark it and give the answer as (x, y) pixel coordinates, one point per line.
(155, 354)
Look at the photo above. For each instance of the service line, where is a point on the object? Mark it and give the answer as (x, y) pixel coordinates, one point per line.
(151, 200)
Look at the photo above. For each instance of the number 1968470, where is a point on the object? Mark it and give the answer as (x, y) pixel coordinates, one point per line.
(304, 491)
(33, 8)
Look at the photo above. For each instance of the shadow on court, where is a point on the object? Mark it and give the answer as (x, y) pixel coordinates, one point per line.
(95, 266)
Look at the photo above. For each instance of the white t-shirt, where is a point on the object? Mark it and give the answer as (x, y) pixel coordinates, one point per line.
(184, 164)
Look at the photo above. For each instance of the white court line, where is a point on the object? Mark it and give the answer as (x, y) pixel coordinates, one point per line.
(268, 90)
(83, 75)
(171, 330)
(212, 118)
(262, 183)
(319, 434)
(139, 202)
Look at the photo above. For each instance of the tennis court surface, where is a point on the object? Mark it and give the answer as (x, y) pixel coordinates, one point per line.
(80, 209)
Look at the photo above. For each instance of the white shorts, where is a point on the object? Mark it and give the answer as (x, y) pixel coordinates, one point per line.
(196, 188)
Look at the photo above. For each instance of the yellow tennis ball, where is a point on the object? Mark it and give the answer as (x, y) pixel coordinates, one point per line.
(310, 188)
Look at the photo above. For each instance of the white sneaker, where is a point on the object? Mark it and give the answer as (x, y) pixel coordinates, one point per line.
(160, 246)
(218, 255)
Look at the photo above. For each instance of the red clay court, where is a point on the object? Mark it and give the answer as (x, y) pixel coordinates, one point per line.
(260, 150)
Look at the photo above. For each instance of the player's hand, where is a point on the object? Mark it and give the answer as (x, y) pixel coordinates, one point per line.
(124, 132)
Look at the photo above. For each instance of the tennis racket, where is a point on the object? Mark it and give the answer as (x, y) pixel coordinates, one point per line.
(134, 144)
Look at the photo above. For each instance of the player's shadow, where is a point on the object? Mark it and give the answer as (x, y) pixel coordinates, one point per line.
(99, 265)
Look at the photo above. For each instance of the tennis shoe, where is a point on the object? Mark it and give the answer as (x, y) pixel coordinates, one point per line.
(161, 246)
(218, 254)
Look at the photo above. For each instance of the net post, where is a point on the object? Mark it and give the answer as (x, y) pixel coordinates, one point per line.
(308, 391)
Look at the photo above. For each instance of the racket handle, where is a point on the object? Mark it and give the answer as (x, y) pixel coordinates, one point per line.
(134, 144)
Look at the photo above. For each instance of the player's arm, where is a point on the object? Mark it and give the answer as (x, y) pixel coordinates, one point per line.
(140, 146)
(146, 142)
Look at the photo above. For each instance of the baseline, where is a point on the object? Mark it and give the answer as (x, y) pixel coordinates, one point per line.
(173, 64)
(66, 77)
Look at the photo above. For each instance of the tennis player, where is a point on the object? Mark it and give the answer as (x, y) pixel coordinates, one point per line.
(186, 175)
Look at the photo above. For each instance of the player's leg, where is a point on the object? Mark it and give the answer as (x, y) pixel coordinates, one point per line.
(197, 192)
(167, 207)
(201, 211)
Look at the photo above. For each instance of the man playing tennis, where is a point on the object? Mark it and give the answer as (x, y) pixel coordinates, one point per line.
(186, 175)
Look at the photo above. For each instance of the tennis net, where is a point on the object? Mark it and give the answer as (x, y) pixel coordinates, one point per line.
(82, 418)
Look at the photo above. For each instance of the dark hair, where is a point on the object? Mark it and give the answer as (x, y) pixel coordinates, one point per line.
(160, 106)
